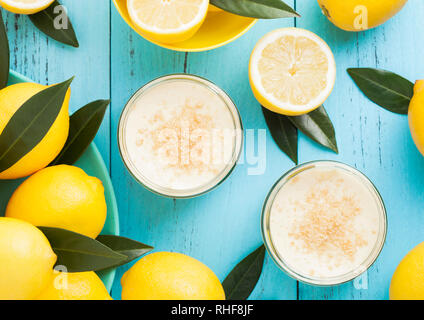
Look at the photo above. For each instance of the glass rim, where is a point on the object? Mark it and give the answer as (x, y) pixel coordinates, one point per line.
(320, 281)
(210, 185)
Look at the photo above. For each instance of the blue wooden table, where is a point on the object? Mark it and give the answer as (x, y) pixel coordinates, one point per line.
(223, 226)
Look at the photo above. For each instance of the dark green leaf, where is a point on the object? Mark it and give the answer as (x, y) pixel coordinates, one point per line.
(55, 23)
(384, 88)
(240, 283)
(30, 124)
(4, 54)
(283, 132)
(318, 126)
(260, 9)
(130, 248)
(84, 125)
(79, 253)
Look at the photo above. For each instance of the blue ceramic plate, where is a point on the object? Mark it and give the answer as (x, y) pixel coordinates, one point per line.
(92, 163)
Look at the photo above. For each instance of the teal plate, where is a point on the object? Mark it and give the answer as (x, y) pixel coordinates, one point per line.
(92, 163)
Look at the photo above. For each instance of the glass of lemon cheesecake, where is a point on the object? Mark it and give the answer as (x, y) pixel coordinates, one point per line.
(324, 223)
(180, 136)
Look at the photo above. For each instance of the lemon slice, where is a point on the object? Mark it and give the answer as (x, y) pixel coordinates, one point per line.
(25, 6)
(292, 71)
(168, 21)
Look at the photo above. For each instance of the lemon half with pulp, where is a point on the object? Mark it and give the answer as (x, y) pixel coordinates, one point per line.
(25, 6)
(292, 71)
(168, 21)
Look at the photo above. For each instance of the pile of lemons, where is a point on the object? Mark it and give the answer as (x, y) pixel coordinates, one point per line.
(66, 197)
(58, 196)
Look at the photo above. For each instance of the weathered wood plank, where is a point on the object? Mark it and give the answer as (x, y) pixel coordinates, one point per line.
(223, 226)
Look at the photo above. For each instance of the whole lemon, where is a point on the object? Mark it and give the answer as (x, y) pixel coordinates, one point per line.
(170, 276)
(416, 115)
(358, 15)
(26, 260)
(408, 279)
(62, 197)
(11, 99)
(75, 286)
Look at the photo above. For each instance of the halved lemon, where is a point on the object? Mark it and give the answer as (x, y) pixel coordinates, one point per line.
(25, 6)
(292, 71)
(168, 21)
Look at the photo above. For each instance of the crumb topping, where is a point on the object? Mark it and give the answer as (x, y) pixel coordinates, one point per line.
(182, 138)
(328, 223)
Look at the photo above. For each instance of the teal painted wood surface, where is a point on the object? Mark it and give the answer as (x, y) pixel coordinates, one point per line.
(223, 226)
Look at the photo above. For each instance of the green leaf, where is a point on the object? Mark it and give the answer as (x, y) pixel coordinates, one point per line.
(30, 124)
(259, 9)
(283, 132)
(127, 247)
(240, 283)
(384, 88)
(55, 23)
(4, 54)
(79, 253)
(84, 125)
(318, 126)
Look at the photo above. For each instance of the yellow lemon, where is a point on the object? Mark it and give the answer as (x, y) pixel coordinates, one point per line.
(214, 9)
(292, 71)
(62, 197)
(408, 279)
(416, 115)
(170, 276)
(75, 286)
(358, 15)
(168, 21)
(11, 99)
(25, 6)
(26, 260)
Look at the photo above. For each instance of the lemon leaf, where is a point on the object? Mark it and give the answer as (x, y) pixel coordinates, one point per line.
(317, 126)
(4, 54)
(55, 23)
(241, 281)
(283, 132)
(84, 125)
(30, 124)
(79, 253)
(384, 88)
(128, 247)
(259, 9)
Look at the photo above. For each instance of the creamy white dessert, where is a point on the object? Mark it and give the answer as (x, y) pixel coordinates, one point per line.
(180, 134)
(326, 222)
